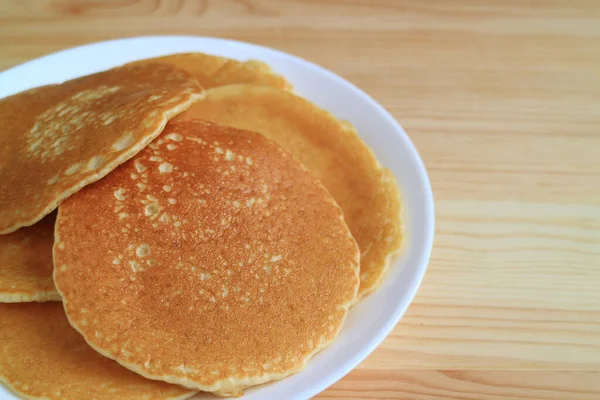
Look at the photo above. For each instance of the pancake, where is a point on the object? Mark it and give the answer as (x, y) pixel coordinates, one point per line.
(367, 193)
(26, 263)
(212, 259)
(43, 357)
(212, 71)
(250, 72)
(57, 139)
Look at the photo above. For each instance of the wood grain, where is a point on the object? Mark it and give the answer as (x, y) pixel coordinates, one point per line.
(466, 385)
(502, 100)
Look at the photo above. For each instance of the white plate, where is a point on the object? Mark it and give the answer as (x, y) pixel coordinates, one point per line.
(370, 321)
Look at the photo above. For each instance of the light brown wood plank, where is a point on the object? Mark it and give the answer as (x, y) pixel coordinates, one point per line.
(465, 385)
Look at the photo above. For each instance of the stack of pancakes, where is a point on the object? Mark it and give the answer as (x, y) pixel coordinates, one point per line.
(213, 230)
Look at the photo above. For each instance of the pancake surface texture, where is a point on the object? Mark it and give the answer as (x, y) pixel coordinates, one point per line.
(57, 139)
(43, 357)
(221, 263)
(26, 263)
(212, 71)
(367, 193)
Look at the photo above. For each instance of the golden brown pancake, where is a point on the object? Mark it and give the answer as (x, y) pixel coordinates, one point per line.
(212, 71)
(43, 357)
(332, 150)
(57, 139)
(212, 259)
(251, 72)
(26, 263)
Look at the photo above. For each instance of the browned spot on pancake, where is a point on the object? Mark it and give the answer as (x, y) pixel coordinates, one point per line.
(57, 139)
(42, 356)
(253, 268)
(332, 150)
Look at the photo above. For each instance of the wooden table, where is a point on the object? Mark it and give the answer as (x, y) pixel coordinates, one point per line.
(503, 101)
